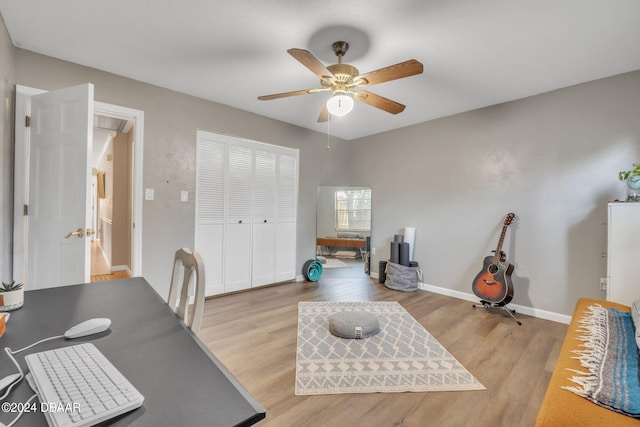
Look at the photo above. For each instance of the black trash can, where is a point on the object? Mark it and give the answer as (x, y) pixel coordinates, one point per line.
(382, 276)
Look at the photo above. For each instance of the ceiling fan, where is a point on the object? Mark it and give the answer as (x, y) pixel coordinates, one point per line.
(342, 80)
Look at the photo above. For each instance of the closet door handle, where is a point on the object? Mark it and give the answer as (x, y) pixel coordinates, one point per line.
(265, 220)
(240, 222)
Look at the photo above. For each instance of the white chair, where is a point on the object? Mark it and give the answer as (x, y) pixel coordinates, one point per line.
(190, 262)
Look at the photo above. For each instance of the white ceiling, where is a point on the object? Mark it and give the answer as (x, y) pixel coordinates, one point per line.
(475, 53)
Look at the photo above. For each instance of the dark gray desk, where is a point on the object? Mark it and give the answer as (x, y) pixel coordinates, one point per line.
(183, 383)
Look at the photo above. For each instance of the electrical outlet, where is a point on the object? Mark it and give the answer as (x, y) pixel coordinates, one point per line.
(603, 283)
(373, 251)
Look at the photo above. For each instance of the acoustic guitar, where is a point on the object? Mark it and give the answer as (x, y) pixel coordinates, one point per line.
(493, 283)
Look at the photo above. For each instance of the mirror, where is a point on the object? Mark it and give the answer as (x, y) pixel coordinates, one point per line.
(343, 224)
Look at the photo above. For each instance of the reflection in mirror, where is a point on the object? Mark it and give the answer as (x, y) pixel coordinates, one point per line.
(343, 225)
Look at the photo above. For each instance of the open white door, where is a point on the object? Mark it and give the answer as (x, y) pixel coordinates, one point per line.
(60, 188)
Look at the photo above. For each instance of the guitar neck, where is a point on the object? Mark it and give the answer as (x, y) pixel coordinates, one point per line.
(496, 256)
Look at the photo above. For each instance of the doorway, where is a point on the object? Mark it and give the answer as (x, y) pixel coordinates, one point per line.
(134, 118)
(343, 230)
(111, 197)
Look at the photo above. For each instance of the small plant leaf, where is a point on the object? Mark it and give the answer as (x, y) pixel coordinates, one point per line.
(13, 286)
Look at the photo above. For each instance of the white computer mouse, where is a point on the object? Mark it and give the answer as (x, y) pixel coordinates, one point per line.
(88, 327)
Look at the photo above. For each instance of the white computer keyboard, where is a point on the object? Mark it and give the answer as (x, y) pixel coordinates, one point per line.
(78, 386)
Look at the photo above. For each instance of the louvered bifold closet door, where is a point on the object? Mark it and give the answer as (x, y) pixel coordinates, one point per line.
(246, 207)
(210, 200)
(287, 204)
(239, 218)
(264, 214)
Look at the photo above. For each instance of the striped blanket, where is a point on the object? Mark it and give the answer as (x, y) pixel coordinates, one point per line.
(610, 355)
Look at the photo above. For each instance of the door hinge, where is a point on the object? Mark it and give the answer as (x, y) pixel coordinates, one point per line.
(25, 210)
(27, 121)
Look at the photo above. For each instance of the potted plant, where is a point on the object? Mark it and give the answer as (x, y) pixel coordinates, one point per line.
(632, 178)
(11, 296)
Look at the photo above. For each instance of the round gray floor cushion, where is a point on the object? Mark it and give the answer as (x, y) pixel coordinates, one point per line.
(354, 324)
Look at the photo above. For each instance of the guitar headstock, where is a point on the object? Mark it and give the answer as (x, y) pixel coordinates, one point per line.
(509, 218)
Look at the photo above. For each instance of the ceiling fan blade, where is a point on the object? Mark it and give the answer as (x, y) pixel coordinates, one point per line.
(294, 93)
(307, 59)
(392, 72)
(324, 114)
(378, 101)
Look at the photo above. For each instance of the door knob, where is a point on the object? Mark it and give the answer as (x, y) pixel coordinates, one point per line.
(79, 233)
(90, 232)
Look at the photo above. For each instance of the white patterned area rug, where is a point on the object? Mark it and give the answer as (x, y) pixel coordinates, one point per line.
(402, 357)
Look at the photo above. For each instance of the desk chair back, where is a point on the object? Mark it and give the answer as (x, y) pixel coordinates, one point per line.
(190, 262)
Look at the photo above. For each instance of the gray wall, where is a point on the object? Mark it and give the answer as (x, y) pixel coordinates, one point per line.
(171, 120)
(7, 90)
(553, 159)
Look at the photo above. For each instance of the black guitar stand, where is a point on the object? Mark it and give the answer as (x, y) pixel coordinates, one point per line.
(489, 305)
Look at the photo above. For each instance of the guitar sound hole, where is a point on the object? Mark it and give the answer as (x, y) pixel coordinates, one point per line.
(493, 269)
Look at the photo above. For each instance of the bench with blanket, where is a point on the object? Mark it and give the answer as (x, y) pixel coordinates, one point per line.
(575, 385)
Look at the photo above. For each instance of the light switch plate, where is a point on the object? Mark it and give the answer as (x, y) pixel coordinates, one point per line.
(148, 194)
(603, 283)
(184, 196)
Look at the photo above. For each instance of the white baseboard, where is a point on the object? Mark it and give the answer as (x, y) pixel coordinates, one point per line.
(542, 314)
(121, 268)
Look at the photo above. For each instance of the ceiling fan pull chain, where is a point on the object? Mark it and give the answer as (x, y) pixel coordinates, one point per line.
(328, 161)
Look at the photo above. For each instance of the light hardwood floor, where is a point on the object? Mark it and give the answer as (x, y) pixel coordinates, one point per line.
(254, 334)
(120, 274)
(100, 271)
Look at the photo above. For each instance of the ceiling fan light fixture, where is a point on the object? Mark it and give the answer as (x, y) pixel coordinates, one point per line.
(340, 105)
(344, 79)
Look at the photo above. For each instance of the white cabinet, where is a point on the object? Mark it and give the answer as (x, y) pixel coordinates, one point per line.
(246, 204)
(623, 253)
